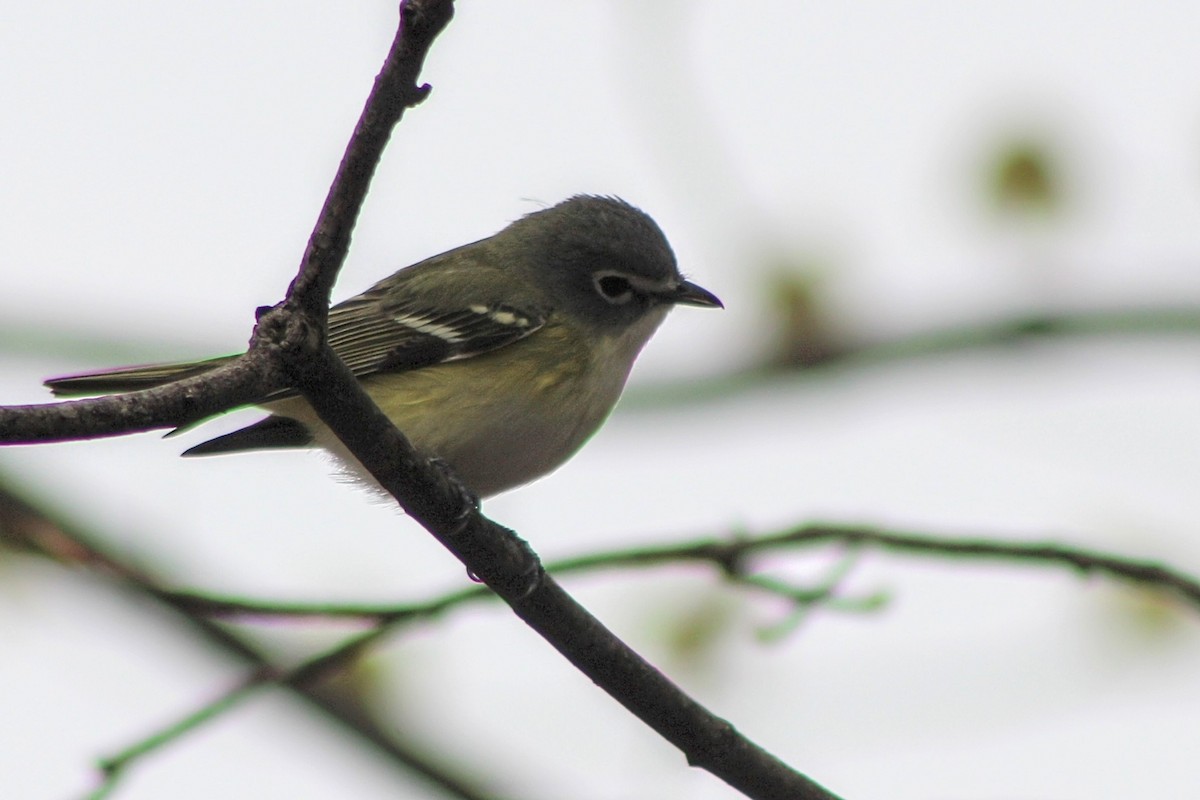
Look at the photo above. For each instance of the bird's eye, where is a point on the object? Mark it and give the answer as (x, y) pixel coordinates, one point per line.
(614, 288)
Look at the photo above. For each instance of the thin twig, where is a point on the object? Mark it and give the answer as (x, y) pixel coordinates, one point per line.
(730, 556)
(1149, 574)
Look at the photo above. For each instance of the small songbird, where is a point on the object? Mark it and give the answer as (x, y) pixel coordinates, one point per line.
(500, 357)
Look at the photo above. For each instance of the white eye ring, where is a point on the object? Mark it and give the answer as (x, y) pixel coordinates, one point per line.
(613, 287)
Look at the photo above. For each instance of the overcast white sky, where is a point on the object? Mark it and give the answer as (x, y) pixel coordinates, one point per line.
(162, 167)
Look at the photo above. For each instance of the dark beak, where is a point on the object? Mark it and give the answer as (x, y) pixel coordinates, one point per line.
(689, 294)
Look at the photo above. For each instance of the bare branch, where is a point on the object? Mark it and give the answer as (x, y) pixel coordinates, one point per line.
(243, 381)
(395, 90)
(293, 334)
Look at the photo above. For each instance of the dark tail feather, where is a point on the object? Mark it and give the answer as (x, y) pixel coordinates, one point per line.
(128, 379)
(271, 433)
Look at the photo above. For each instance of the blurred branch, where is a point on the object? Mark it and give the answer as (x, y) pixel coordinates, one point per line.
(803, 349)
(1149, 320)
(26, 527)
(285, 335)
(731, 556)
(36, 336)
(822, 349)
(23, 525)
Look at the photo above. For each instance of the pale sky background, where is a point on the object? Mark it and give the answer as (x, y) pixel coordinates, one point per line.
(163, 165)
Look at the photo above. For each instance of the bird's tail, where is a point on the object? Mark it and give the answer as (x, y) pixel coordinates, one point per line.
(128, 379)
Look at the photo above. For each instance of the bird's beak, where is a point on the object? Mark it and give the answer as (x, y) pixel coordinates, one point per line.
(689, 294)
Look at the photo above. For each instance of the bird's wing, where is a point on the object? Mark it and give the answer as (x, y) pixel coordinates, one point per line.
(383, 332)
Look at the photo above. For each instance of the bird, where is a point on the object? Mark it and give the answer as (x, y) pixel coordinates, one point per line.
(500, 358)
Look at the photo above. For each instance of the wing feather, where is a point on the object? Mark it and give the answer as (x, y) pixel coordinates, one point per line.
(378, 332)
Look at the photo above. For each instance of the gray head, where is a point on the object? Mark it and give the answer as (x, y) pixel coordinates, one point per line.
(609, 260)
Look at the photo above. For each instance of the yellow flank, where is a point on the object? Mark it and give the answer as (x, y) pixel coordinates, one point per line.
(522, 427)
